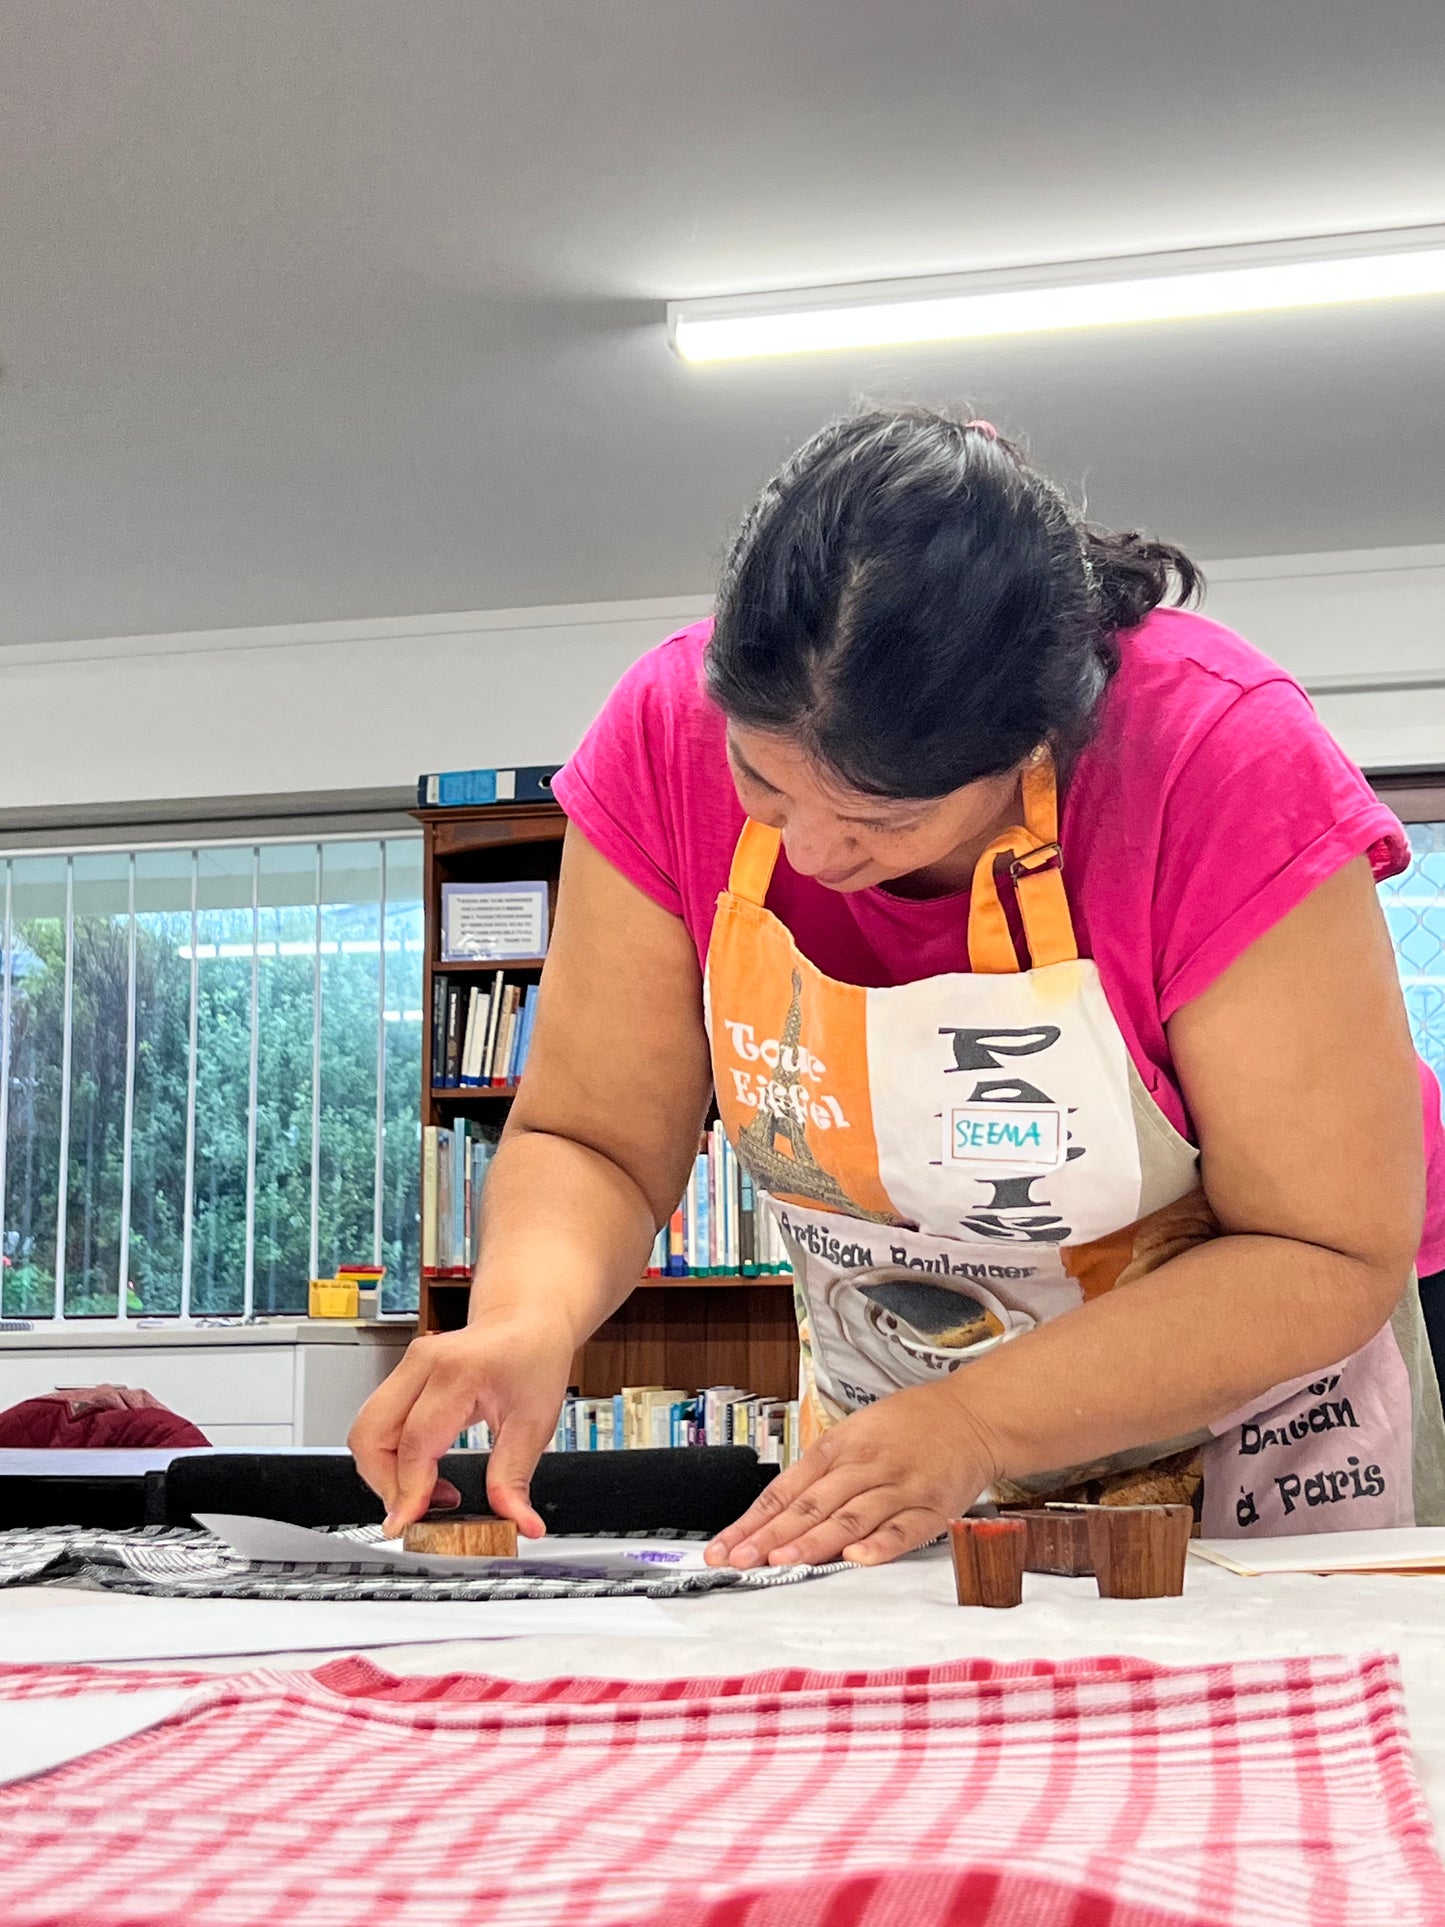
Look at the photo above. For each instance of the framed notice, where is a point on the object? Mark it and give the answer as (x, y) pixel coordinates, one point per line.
(493, 922)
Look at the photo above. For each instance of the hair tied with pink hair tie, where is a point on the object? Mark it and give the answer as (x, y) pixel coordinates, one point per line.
(984, 428)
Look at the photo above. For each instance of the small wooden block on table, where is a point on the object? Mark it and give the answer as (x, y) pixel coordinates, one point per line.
(1133, 1551)
(988, 1560)
(1139, 1551)
(462, 1536)
(1058, 1542)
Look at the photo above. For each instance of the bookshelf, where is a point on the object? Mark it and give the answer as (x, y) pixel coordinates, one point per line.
(688, 1332)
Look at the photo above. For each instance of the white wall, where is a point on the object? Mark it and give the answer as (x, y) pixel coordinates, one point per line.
(346, 705)
(1364, 630)
(314, 706)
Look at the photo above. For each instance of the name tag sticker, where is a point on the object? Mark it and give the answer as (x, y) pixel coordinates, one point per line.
(1022, 1135)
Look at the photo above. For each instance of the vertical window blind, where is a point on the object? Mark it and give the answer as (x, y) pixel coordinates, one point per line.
(211, 1071)
(1414, 905)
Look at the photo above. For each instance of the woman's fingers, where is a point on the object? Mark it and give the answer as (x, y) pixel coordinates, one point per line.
(901, 1533)
(443, 1384)
(882, 1481)
(846, 1495)
(843, 1515)
(770, 1504)
(376, 1433)
(442, 1409)
(521, 1439)
(849, 1522)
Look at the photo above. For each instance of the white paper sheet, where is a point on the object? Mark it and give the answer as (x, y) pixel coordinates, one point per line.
(1420, 1548)
(35, 1630)
(41, 1734)
(677, 1555)
(273, 1539)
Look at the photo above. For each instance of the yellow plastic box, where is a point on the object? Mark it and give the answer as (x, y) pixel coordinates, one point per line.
(332, 1299)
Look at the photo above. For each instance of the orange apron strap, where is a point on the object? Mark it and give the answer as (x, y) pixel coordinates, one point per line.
(753, 861)
(990, 944)
(1038, 880)
(1041, 797)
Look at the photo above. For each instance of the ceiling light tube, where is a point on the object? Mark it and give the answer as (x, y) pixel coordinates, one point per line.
(1198, 284)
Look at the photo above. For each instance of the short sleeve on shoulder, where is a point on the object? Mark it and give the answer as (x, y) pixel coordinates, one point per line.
(1265, 807)
(616, 790)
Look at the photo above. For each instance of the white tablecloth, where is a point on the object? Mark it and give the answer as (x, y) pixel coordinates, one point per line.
(904, 1615)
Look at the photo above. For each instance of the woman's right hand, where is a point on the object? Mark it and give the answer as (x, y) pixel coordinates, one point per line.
(596, 1152)
(509, 1368)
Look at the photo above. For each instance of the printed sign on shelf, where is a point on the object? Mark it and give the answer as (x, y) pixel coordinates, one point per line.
(493, 922)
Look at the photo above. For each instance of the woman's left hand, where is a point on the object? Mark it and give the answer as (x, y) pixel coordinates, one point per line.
(881, 1482)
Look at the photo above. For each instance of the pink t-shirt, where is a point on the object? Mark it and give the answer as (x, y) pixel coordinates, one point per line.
(1209, 802)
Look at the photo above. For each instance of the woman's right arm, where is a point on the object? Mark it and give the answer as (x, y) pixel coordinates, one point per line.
(594, 1158)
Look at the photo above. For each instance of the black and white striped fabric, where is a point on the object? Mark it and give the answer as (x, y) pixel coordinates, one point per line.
(180, 1562)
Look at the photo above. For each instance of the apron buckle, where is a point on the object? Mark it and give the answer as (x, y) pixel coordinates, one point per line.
(1038, 862)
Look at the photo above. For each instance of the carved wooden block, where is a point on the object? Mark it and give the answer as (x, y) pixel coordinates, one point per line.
(1058, 1542)
(1139, 1551)
(988, 1560)
(462, 1536)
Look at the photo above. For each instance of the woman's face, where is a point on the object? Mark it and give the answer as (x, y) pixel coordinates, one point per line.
(847, 840)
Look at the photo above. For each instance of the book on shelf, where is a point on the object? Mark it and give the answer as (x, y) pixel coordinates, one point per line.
(469, 789)
(481, 1033)
(656, 1415)
(452, 1052)
(455, 1160)
(723, 1226)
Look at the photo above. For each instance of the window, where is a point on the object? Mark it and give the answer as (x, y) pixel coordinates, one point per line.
(212, 1067)
(1414, 904)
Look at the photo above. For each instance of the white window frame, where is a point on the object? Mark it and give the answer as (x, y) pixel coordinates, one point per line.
(195, 844)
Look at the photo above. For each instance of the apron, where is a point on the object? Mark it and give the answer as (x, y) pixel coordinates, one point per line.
(955, 1160)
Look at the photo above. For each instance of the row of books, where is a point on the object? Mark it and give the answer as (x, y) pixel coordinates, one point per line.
(656, 1415)
(481, 1033)
(723, 1227)
(454, 1165)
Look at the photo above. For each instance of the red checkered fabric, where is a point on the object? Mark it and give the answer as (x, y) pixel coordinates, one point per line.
(60, 1682)
(1093, 1794)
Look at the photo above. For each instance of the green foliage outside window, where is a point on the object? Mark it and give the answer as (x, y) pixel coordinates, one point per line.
(284, 937)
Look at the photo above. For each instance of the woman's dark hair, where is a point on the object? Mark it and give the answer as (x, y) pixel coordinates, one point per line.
(918, 607)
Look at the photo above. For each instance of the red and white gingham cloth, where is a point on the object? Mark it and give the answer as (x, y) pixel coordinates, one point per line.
(1101, 1793)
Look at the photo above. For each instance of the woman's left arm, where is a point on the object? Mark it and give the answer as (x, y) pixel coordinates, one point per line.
(1299, 1073)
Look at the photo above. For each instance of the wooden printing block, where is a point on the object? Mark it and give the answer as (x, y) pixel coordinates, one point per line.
(1058, 1542)
(988, 1560)
(1139, 1551)
(462, 1536)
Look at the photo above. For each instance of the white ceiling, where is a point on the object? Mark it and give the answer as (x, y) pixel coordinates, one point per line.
(315, 308)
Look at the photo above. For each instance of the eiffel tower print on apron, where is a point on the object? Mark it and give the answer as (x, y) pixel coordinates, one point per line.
(795, 1173)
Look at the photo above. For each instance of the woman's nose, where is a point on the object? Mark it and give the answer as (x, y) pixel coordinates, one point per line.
(818, 850)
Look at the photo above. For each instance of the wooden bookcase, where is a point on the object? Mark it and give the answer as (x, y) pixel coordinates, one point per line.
(687, 1332)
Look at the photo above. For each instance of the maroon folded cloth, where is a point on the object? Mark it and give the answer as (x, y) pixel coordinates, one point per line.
(87, 1418)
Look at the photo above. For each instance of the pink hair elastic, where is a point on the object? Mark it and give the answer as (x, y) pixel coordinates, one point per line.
(984, 428)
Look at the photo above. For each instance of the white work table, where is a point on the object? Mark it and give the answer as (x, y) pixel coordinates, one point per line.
(904, 1615)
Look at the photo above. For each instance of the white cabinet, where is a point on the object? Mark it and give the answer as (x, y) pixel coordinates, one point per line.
(293, 1383)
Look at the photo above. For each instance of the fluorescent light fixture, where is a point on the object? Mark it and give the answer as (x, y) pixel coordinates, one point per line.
(1194, 285)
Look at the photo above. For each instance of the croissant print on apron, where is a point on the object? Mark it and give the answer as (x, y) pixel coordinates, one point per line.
(955, 1160)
